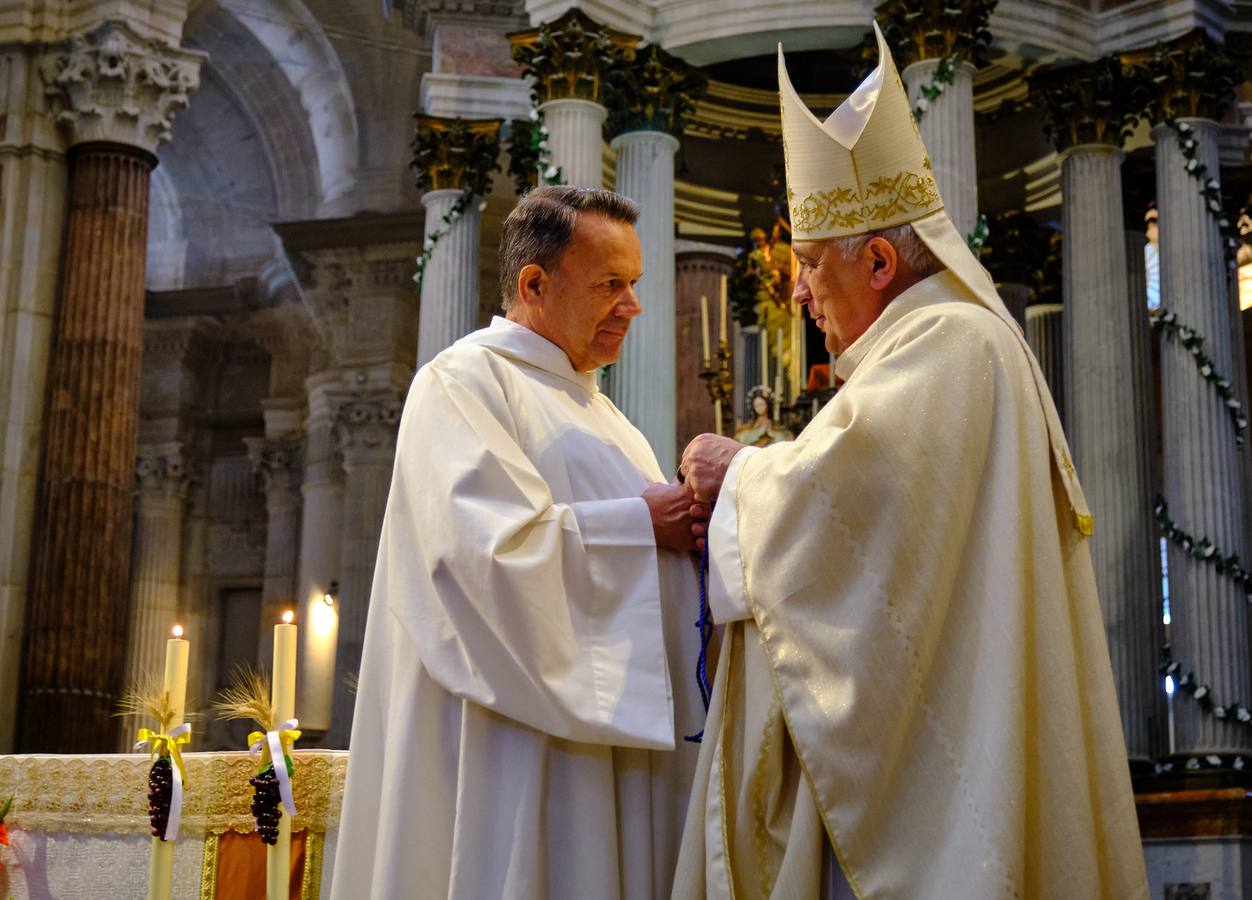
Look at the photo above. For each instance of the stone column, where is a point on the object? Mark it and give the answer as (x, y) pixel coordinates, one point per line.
(567, 60)
(160, 496)
(277, 463)
(453, 156)
(647, 113)
(1045, 332)
(1016, 297)
(939, 42)
(1201, 460)
(365, 430)
(1085, 111)
(115, 93)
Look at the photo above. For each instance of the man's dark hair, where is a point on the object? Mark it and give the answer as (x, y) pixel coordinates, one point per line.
(541, 227)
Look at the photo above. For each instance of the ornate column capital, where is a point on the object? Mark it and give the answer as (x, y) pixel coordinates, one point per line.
(1190, 77)
(572, 56)
(1085, 104)
(455, 154)
(279, 464)
(654, 94)
(934, 29)
(112, 85)
(365, 425)
(163, 475)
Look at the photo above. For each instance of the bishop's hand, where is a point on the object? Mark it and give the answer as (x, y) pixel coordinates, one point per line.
(704, 464)
(678, 522)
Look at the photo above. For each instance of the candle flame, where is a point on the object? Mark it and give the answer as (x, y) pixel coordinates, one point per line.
(288, 616)
(328, 599)
(177, 631)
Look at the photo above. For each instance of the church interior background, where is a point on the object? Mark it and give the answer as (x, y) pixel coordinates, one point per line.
(232, 230)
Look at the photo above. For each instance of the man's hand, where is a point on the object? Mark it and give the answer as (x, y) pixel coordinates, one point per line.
(704, 464)
(678, 522)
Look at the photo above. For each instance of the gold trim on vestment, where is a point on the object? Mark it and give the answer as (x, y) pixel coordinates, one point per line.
(311, 882)
(879, 206)
(208, 866)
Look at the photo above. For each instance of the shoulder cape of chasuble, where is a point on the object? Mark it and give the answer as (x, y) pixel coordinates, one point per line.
(866, 169)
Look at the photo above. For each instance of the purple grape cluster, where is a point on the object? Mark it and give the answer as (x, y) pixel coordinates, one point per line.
(160, 792)
(266, 807)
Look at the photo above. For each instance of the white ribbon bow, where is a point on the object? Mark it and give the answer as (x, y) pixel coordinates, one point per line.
(280, 762)
(176, 794)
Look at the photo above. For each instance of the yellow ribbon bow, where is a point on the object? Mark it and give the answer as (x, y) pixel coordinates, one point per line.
(162, 744)
(274, 744)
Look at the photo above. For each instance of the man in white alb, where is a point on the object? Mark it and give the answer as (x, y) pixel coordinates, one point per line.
(526, 681)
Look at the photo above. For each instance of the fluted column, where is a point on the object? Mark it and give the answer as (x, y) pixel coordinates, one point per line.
(453, 156)
(365, 429)
(940, 42)
(1045, 333)
(110, 87)
(567, 60)
(160, 497)
(1016, 297)
(1201, 476)
(277, 463)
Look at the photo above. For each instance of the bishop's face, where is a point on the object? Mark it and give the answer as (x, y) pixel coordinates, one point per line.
(589, 301)
(843, 296)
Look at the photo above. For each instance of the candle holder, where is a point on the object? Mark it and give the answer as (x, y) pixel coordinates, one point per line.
(720, 385)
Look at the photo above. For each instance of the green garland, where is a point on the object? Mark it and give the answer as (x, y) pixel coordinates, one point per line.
(539, 146)
(1187, 683)
(945, 75)
(977, 238)
(1210, 189)
(1167, 323)
(433, 237)
(1202, 548)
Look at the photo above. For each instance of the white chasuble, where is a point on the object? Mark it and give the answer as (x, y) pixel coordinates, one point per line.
(529, 656)
(914, 674)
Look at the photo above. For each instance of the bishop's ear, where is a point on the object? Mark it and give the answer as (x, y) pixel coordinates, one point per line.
(883, 261)
(531, 282)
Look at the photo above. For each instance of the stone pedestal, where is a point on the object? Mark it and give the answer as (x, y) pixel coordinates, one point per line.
(449, 308)
(1201, 462)
(1107, 437)
(160, 495)
(1045, 334)
(644, 379)
(947, 130)
(574, 137)
(365, 430)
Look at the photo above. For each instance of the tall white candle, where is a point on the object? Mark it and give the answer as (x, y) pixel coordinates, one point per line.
(174, 687)
(283, 698)
(704, 327)
(717, 416)
(764, 358)
(722, 331)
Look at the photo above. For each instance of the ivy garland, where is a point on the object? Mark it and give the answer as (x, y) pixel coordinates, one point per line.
(540, 148)
(1167, 323)
(433, 237)
(977, 238)
(1202, 548)
(1187, 683)
(1210, 189)
(945, 75)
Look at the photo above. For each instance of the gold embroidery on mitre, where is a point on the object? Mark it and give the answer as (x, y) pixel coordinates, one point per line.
(885, 199)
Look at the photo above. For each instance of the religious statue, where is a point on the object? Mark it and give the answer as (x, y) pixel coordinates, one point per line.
(762, 430)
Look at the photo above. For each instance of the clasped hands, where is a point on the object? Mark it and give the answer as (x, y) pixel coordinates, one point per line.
(680, 509)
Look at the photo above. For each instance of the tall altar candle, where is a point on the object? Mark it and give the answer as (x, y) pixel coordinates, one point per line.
(704, 327)
(722, 332)
(174, 687)
(764, 358)
(717, 416)
(283, 698)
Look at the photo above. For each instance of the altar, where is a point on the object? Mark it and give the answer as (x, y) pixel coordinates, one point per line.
(78, 828)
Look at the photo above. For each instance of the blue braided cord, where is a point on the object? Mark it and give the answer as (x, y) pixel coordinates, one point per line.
(705, 625)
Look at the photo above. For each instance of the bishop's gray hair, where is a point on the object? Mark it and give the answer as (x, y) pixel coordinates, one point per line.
(541, 227)
(913, 252)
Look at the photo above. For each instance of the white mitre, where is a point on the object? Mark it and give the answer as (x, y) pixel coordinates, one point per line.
(866, 169)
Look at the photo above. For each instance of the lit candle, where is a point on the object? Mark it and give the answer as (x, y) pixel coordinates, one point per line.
(723, 328)
(283, 698)
(704, 327)
(174, 688)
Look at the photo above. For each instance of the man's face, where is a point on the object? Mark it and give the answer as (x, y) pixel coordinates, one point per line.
(844, 296)
(586, 305)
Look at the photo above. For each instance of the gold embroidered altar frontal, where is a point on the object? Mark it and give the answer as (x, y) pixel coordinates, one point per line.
(79, 824)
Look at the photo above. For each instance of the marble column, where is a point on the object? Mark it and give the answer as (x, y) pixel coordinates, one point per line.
(160, 497)
(276, 462)
(365, 429)
(1201, 461)
(1108, 437)
(452, 156)
(1045, 334)
(645, 379)
(321, 527)
(115, 94)
(1016, 297)
(574, 127)
(947, 130)
(568, 61)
